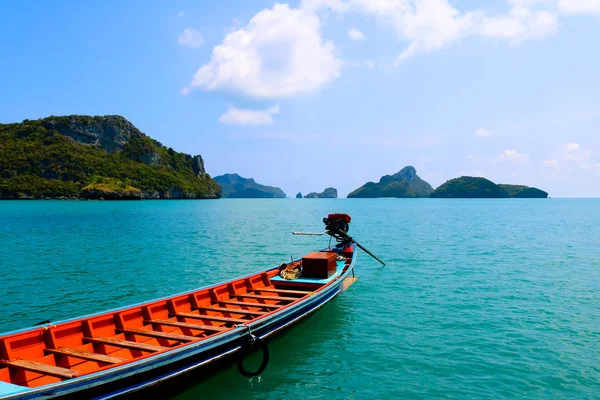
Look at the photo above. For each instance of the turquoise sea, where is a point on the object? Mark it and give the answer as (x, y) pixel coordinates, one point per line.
(480, 298)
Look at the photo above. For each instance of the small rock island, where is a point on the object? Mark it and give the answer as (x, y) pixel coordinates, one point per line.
(299, 195)
(101, 157)
(236, 187)
(328, 193)
(405, 183)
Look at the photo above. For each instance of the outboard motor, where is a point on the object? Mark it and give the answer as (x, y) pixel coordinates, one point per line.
(335, 222)
(337, 226)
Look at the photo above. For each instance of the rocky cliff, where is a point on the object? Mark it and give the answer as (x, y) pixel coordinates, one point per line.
(328, 193)
(234, 186)
(95, 157)
(405, 183)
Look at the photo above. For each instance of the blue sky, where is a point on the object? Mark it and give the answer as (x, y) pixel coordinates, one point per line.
(316, 93)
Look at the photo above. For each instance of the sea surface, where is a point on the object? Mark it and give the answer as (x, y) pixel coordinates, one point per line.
(479, 298)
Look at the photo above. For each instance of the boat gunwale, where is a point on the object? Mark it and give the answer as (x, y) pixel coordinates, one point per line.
(186, 349)
(165, 377)
(5, 335)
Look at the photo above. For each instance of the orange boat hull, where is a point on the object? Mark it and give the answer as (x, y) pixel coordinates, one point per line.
(132, 348)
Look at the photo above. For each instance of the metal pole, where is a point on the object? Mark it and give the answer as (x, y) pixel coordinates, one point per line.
(369, 253)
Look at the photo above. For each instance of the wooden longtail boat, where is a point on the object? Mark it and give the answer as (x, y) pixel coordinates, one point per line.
(122, 351)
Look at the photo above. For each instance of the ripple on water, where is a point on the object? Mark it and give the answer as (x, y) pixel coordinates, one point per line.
(493, 299)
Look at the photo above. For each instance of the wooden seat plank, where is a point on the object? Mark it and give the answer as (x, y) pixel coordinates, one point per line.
(186, 325)
(41, 368)
(126, 344)
(288, 291)
(259, 297)
(248, 304)
(210, 317)
(230, 310)
(161, 335)
(65, 351)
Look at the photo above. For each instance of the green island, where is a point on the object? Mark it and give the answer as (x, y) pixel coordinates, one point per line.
(101, 157)
(328, 193)
(523, 192)
(475, 187)
(405, 183)
(107, 157)
(235, 187)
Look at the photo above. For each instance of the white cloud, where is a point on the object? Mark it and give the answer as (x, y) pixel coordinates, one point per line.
(426, 24)
(571, 157)
(236, 116)
(180, 13)
(190, 38)
(474, 158)
(429, 25)
(570, 147)
(355, 34)
(520, 24)
(279, 53)
(579, 7)
(338, 6)
(575, 153)
(185, 91)
(482, 132)
(513, 156)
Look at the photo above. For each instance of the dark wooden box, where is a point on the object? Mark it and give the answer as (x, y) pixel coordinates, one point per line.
(319, 265)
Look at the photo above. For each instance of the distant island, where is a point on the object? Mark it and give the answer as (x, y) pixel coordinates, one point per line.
(523, 192)
(299, 195)
(236, 187)
(101, 157)
(474, 187)
(328, 193)
(107, 157)
(405, 183)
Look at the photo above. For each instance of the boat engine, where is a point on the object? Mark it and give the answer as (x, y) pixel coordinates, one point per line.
(337, 222)
(337, 226)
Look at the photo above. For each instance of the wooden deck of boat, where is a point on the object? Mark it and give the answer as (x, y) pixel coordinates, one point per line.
(52, 353)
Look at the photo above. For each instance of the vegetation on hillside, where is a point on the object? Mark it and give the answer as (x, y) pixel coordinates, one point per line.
(469, 187)
(328, 193)
(473, 187)
(39, 162)
(235, 186)
(111, 189)
(523, 192)
(405, 183)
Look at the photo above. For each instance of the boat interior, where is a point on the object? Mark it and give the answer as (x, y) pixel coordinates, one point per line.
(54, 353)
